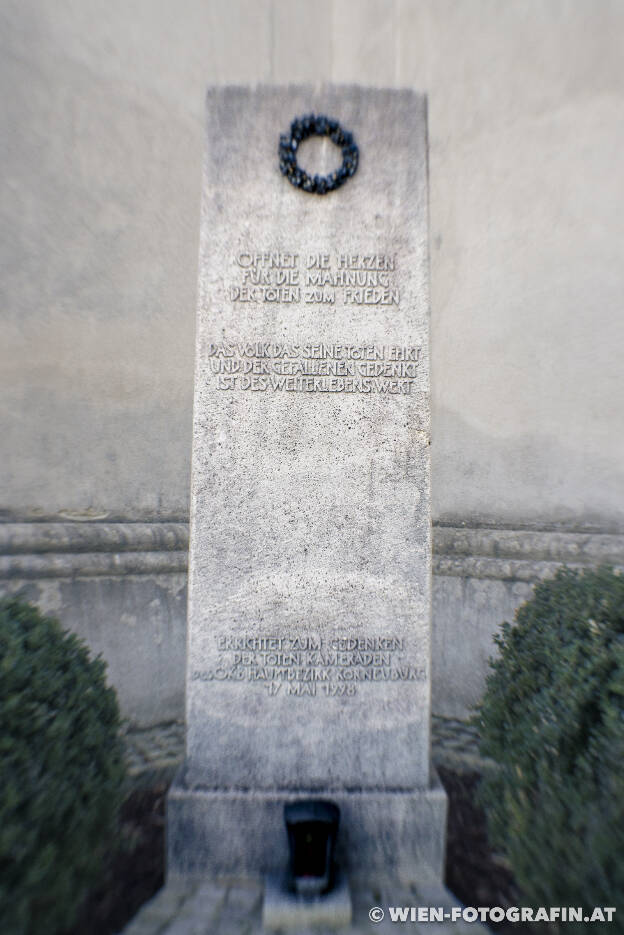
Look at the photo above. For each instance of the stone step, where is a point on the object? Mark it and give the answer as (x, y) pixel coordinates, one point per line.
(234, 907)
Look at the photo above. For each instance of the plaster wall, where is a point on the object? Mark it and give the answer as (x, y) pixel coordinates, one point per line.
(101, 147)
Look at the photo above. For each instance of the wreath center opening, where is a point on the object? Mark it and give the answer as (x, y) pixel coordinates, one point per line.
(318, 155)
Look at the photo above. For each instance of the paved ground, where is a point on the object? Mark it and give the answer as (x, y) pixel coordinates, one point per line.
(234, 907)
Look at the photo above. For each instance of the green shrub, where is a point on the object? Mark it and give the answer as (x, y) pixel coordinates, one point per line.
(61, 771)
(552, 718)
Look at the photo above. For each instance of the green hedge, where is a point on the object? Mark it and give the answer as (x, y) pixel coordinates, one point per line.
(552, 718)
(61, 771)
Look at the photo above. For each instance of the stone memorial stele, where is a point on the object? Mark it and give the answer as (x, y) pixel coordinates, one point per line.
(310, 557)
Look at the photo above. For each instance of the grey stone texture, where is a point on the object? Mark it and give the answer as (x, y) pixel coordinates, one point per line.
(219, 831)
(283, 910)
(154, 755)
(310, 511)
(310, 550)
(122, 586)
(233, 906)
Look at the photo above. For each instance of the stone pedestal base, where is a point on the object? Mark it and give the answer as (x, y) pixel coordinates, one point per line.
(212, 832)
(285, 911)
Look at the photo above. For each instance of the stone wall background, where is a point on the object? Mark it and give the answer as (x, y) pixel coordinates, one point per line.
(101, 134)
(122, 586)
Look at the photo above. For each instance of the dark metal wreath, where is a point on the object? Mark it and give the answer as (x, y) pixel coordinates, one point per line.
(300, 129)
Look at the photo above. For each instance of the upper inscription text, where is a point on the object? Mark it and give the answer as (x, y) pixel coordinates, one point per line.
(323, 278)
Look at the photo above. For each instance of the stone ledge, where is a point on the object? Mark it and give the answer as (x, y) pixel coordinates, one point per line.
(86, 550)
(32, 550)
(520, 554)
(92, 565)
(35, 538)
(500, 569)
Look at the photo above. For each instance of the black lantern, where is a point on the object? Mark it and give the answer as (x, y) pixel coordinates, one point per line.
(312, 827)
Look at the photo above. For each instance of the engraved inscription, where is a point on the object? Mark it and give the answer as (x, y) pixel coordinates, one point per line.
(264, 366)
(311, 665)
(321, 278)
